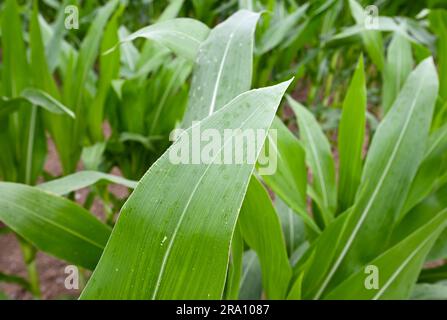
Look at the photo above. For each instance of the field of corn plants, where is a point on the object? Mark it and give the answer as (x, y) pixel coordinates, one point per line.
(241, 149)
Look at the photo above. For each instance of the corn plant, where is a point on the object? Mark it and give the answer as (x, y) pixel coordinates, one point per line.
(354, 217)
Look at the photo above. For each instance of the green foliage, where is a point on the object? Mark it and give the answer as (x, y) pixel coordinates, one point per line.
(360, 147)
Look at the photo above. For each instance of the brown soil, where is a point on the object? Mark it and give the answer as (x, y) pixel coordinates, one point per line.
(51, 272)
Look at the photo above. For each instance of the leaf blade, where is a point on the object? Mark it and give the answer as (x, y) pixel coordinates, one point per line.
(169, 227)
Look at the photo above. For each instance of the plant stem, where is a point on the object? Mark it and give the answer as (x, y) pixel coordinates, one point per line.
(29, 256)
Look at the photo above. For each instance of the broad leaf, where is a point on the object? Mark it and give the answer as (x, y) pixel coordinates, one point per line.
(293, 227)
(182, 35)
(320, 160)
(82, 179)
(251, 279)
(398, 66)
(173, 236)
(398, 267)
(351, 134)
(42, 99)
(289, 180)
(277, 32)
(223, 66)
(53, 224)
(235, 265)
(395, 155)
(261, 229)
(429, 169)
(425, 291)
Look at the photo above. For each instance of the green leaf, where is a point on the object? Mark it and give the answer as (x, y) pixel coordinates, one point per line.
(277, 32)
(173, 236)
(425, 291)
(53, 224)
(372, 39)
(320, 160)
(261, 229)
(293, 227)
(251, 279)
(9, 278)
(109, 66)
(15, 76)
(55, 44)
(68, 136)
(8, 106)
(33, 97)
(419, 215)
(3, 296)
(398, 267)
(172, 10)
(82, 179)
(42, 77)
(235, 265)
(395, 154)
(223, 66)
(289, 180)
(351, 134)
(89, 50)
(398, 66)
(438, 24)
(42, 99)
(434, 274)
(181, 35)
(295, 292)
(316, 259)
(429, 169)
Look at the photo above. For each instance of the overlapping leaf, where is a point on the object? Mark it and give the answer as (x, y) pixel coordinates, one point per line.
(53, 224)
(223, 67)
(172, 239)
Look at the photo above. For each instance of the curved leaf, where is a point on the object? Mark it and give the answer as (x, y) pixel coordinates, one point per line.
(251, 279)
(397, 68)
(398, 267)
(82, 179)
(351, 134)
(42, 99)
(320, 160)
(172, 239)
(277, 32)
(429, 169)
(425, 291)
(181, 35)
(53, 224)
(289, 181)
(395, 154)
(261, 229)
(223, 66)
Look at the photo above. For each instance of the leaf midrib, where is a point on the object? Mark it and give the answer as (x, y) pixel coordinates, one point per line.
(55, 224)
(174, 235)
